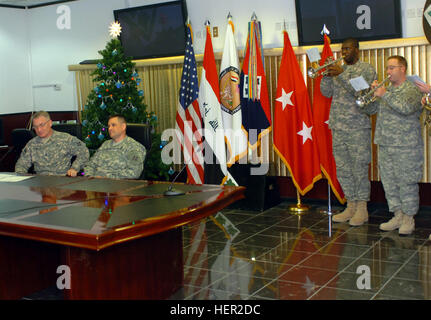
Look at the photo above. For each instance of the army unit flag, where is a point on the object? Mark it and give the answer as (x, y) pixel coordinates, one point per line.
(323, 134)
(255, 108)
(293, 124)
(236, 140)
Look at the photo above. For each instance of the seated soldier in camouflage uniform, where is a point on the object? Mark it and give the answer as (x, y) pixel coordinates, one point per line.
(399, 137)
(51, 151)
(121, 157)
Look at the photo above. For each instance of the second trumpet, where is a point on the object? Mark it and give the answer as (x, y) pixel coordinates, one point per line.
(369, 97)
(315, 72)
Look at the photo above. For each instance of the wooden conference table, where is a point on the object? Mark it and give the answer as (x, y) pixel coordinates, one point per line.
(120, 239)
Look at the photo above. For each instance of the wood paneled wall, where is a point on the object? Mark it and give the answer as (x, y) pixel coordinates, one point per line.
(161, 80)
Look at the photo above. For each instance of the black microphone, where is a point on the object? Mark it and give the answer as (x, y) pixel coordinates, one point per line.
(171, 191)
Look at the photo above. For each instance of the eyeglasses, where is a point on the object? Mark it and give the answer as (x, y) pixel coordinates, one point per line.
(40, 125)
(392, 67)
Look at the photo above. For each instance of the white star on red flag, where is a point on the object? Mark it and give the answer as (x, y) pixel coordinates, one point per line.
(305, 133)
(285, 98)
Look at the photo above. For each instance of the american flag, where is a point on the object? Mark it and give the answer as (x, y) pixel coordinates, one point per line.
(196, 276)
(189, 119)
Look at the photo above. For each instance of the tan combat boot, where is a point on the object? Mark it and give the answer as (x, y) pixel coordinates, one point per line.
(394, 223)
(361, 214)
(347, 213)
(407, 225)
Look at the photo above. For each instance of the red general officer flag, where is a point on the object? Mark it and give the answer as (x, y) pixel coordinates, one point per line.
(293, 124)
(323, 134)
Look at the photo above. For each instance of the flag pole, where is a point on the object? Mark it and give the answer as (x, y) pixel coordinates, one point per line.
(329, 210)
(299, 208)
(329, 200)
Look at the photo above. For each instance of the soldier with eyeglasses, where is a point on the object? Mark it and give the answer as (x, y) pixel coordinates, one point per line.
(399, 137)
(51, 152)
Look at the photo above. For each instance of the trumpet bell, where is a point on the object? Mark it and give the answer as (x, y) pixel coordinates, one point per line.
(311, 73)
(360, 102)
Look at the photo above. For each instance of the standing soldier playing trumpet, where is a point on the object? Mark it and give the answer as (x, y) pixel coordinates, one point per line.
(398, 134)
(351, 132)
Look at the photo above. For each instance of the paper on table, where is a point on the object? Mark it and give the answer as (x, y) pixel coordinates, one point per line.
(359, 83)
(4, 177)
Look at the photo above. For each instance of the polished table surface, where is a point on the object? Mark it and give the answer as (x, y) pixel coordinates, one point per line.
(97, 213)
(121, 239)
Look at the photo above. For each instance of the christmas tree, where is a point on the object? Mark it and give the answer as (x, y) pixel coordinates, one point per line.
(116, 92)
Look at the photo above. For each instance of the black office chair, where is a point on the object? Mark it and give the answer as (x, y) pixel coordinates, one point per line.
(75, 129)
(20, 137)
(141, 133)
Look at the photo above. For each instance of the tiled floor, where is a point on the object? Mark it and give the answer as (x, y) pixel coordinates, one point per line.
(279, 255)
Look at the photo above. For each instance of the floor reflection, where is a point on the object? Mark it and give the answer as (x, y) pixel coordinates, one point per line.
(277, 255)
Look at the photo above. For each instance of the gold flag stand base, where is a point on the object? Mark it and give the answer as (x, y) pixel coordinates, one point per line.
(299, 208)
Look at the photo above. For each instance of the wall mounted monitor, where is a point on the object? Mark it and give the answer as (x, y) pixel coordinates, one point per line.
(157, 30)
(361, 19)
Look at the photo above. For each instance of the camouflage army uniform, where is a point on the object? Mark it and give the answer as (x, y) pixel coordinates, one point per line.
(52, 155)
(122, 160)
(399, 136)
(351, 130)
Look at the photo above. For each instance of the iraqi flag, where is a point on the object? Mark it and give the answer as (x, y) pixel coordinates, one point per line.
(294, 138)
(209, 103)
(323, 134)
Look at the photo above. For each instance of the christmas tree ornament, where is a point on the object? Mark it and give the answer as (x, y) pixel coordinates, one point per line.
(115, 29)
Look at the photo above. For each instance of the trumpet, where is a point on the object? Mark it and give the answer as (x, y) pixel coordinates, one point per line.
(314, 72)
(369, 97)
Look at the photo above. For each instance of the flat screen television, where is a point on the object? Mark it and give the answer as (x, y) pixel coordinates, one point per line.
(153, 31)
(361, 19)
